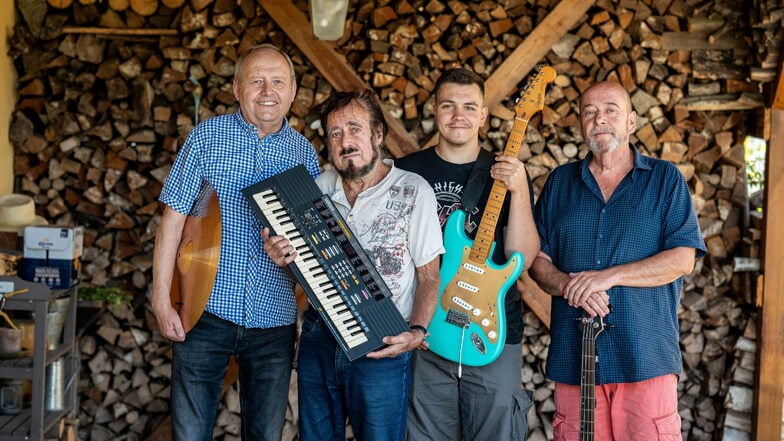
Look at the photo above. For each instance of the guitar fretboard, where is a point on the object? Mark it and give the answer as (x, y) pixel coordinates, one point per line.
(531, 101)
(591, 327)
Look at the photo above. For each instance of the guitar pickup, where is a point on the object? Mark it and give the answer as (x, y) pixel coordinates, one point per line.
(467, 286)
(462, 303)
(473, 268)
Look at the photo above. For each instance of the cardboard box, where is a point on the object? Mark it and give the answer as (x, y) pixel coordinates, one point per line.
(51, 255)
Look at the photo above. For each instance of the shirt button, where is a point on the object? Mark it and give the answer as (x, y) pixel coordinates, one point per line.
(601, 236)
(598, 262)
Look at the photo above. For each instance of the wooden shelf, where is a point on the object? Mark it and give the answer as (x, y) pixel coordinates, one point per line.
(34, 421)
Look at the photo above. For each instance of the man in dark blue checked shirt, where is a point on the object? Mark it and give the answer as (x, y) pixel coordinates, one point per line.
(616, 228)
(251, 312)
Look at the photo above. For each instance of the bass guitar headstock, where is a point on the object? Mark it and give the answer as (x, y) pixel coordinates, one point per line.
(592, 327)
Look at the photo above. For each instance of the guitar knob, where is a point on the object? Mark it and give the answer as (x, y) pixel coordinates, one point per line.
(485, 322)
(476, 312)
(492, 335)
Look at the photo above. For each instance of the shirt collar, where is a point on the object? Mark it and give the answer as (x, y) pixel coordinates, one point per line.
(250, 128)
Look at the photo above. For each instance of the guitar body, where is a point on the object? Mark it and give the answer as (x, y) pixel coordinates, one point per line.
(470, 314)
(197, 261)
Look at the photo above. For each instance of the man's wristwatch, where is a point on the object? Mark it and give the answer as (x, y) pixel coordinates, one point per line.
(419, 328)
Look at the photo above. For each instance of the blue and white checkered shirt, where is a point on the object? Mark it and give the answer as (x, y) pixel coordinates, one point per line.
(225, 151)
(649, 212)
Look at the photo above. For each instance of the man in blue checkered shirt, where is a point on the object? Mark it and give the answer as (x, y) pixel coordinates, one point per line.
(251, 312)
(616, 228)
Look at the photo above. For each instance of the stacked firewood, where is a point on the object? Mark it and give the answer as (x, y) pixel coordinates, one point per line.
(9, 259)
(109, 90)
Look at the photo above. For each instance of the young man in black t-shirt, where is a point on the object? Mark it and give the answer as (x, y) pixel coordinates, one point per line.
(448, 400)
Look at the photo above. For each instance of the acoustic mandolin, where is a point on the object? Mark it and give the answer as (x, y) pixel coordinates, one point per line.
(197, 259)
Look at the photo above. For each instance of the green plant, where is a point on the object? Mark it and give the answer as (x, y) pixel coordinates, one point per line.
(755, 163)
(112, 295)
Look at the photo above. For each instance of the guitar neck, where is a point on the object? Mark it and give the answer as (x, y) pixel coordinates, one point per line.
(587, 388)
(591, 327)
(486, 232)
(531, 101)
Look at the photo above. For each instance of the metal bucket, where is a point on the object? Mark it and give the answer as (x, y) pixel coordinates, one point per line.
(55, 321)
(60, 377)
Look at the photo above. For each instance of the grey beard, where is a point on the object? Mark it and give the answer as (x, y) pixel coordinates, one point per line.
(609, 147)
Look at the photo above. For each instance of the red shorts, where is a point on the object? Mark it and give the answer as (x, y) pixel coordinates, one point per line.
(642, 411)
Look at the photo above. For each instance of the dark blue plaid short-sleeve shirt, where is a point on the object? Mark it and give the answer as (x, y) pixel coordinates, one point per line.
(226, 152)
(649, 212)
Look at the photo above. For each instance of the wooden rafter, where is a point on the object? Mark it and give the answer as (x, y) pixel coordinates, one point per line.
(777, 87)
(332, 65)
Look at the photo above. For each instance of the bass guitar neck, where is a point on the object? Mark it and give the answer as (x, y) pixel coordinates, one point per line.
(591, 328)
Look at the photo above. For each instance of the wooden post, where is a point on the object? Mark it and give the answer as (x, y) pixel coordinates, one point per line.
(770, 347)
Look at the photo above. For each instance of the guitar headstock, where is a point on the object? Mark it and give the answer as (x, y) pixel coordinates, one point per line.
(592, 327)
(532, 96)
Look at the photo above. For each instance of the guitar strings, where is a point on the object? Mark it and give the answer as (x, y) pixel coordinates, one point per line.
(460, 353)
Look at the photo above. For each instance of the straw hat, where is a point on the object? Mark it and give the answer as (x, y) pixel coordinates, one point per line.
(16, 212)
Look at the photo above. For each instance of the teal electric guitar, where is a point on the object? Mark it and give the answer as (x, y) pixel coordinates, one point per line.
(469, 324)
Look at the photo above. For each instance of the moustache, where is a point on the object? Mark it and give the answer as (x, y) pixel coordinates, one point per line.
(348, 151)
(602, 130)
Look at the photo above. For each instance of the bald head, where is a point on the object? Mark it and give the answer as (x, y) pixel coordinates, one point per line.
(624, 102)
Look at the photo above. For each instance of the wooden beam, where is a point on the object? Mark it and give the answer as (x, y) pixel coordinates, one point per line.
(537, 300)
(533, 49)
(770, 340)
(777, 86)
(118, 31)
(530, 52)
(332, 66)
(723, 103)
(693, 41)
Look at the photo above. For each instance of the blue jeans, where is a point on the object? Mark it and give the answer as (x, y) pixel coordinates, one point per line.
(373, 394)
(264, 357)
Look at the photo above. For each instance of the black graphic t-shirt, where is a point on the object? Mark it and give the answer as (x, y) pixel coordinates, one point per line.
(448, 181)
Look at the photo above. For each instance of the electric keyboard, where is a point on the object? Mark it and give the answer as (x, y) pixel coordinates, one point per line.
(335, 272)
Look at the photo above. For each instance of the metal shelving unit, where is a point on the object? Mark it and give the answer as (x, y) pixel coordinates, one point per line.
(35, 422)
